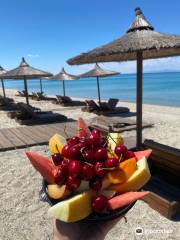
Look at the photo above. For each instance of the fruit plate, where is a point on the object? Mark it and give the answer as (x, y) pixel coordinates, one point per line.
(44, 197)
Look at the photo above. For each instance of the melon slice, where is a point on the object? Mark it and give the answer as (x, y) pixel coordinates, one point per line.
(125, 199)
(139, 178)
(126, 169)
(73, 209)
(142, 154)
(83, 130)
(56, 143)
(43, 165)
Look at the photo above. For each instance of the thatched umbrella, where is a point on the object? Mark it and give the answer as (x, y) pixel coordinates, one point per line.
(140, 42)
(64, 76)
(98, 72)
(2, 71)
(25, 72)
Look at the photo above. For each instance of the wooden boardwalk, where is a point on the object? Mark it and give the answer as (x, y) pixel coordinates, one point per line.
(22, 137)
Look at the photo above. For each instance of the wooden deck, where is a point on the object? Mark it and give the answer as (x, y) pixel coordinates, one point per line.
(22, 137)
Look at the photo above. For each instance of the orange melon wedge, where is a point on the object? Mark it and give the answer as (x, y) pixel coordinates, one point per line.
(126, 169)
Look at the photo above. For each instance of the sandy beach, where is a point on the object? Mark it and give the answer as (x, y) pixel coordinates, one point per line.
(23, 216)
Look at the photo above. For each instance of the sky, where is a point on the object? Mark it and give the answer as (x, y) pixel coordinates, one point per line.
(48, 32)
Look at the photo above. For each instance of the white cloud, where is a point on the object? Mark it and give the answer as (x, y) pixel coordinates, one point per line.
(30, 55)
(153, 65)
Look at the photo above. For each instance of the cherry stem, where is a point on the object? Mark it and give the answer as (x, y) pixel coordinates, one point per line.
(57, 148)
(112, 138)
(105, 143)
(111, 169)
(65, 132)
(120, 158)
(91, 165)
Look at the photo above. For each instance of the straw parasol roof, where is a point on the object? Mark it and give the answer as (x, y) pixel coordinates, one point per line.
(139, 37)
(25, 72)
(64, 76)
(139, 42)
(97, 72)
(2, 71)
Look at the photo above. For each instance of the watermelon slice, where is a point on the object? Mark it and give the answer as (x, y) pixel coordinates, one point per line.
(125, 199)
(83, 130)
(43, 165)
(141, 154)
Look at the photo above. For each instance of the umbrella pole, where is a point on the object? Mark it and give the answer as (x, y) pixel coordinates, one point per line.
(64, 88)
(139, 100)
(41, 86)
(26, 91)
(2, 82)
(99, 96)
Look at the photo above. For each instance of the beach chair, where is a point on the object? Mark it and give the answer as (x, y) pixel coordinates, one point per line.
(91, 106)
(31, 116)
(107, 108)
(20, 94)
(110, 105)
(20, 111)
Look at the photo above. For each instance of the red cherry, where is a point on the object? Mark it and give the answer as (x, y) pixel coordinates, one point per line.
(60, 176)
(57, 159)
(65, 164)
(75, 152)
(65, 151)
(85, 142)
(111, 162)
(73, 141)
(100, 204)
(74, 168)
(95, 137)
(95, 183)
(72, 183)
(89, 156)
(129, 154)
(96, 132)
(120, 149)
(87, 172)
(101, 154)
(103, 142)
(97, 169)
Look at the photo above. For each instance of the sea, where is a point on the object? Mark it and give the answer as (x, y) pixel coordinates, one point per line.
(158, 88)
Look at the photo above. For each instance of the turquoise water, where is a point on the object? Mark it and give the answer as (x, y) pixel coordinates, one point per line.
(158, 88)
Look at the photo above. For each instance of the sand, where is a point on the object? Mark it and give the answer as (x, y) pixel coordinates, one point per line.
(23, 216)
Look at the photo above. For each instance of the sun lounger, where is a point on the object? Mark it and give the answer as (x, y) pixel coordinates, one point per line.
(91, 106)
(7, 103)
(66, 101)
(104, 108)
(27, 115)
(21, 110)
(20, 94)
